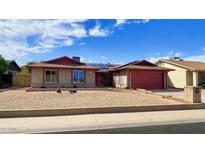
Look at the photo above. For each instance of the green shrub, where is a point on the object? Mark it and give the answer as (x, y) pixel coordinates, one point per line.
(24, 70)
(202, 85)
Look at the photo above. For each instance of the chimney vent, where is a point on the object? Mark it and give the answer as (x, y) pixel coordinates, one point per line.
(176, 58)
(76, 58)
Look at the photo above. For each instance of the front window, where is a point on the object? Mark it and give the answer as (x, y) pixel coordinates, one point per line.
(78, 76)
(51, 76)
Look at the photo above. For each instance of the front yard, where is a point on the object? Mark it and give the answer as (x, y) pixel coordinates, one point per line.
(19, 99)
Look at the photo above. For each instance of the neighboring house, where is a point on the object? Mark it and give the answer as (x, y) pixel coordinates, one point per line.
(140, 74)
(13, 67)
(68, 72)
(6, 78)
(187, 73)
(62, 72)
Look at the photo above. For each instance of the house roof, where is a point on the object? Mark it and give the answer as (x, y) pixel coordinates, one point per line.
(13, 66)
(141, 64)
(103, 68)
(50, 65)
(64, 60)
(191, 65)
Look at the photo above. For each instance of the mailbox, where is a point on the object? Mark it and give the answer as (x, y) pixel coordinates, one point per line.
(192, 94)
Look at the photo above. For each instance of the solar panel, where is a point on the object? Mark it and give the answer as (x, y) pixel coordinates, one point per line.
(99, 65)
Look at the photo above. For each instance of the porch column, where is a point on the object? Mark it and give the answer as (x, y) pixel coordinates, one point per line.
(43, 76)
(99, 80)
(195, 78)
(165, 80)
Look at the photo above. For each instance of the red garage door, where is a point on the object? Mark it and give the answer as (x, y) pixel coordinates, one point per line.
(147, 79)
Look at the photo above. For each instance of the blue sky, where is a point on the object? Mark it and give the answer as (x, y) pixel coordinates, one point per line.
(114, 41)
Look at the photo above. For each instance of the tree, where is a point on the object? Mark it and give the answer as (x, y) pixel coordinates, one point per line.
(3, 65)
(24, 70)
(32, 62)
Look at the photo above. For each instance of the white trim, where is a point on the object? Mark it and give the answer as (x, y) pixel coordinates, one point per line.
(195, 78)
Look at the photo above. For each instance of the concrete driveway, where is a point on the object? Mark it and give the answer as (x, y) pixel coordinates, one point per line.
(175, 93)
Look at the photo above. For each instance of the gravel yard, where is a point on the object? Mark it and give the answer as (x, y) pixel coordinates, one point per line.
(19, 99)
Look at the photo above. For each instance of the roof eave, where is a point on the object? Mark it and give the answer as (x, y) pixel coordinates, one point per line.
(165, 70)
(166, 61)
(61, 67)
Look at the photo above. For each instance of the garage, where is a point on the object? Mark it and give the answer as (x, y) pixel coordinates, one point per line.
(147, 79)
(140, 74)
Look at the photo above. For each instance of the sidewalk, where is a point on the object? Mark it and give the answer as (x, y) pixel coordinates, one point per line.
(98, 121)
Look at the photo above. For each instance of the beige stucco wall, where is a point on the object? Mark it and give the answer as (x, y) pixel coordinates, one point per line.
(177, 78)
(65, 79)
(64, 76)
(90, 78)
(36, 77)
(120, 79)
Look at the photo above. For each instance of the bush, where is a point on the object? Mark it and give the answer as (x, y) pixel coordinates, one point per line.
(202, 85)
(24, 70)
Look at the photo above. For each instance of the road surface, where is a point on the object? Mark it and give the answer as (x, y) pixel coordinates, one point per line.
(183, 128)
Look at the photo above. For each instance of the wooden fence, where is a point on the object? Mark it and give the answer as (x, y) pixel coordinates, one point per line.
(22, 80)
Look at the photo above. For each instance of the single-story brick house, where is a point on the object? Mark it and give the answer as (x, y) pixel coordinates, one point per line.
(69, 72)
(187, 73)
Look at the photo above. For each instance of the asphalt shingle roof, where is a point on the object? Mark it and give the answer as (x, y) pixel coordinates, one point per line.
(193, 65)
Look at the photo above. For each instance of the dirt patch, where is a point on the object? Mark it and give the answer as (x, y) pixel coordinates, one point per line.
(19, 99)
